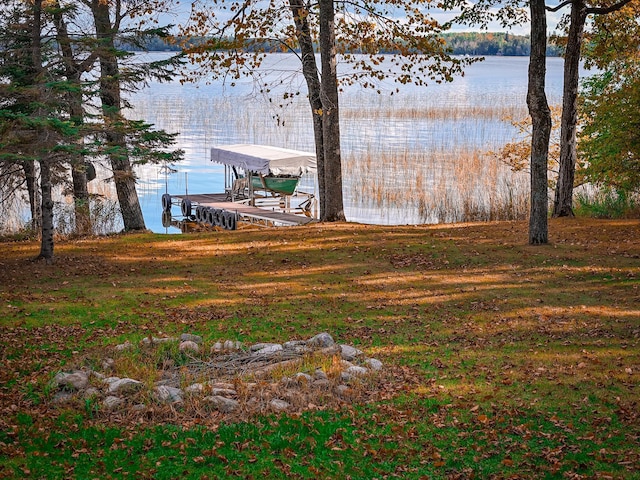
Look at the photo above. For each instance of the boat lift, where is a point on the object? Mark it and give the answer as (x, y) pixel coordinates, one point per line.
(261, 187)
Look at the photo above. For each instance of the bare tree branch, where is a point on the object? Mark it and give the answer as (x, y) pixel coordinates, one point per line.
(604, 10)
(558, 7)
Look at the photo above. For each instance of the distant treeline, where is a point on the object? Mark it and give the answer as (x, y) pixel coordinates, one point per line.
(499, 43)
(461, 43)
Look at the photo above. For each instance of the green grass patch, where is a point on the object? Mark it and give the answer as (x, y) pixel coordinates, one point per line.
(502, 360)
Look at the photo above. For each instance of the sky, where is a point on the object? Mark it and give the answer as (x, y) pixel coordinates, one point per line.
(182, 9)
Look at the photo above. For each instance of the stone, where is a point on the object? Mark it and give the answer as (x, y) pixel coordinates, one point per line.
(356, 371)
(265, 348)
(195, 388)
(108, 363)
(373, 364)
(77, 380)
(349, 353)
(293, 344)
(321, 340)
(139, 407)
(346, 377)
(231, 345)
(321, 383)
(296, 346)
(217, 347)
(224, 392)
(187, 337)
(303, 377)
(269, 350)
(166, 394)
(112, 402)
(328, 351)
(222, 404)
(110, 380)
(124, 346)
(189, 346)
(345, 364)
(97, 375)
(320, 375)
(278, 405)
(90, 393)
(343, 390)
(154, 340)
(125, 385)
(288, 382)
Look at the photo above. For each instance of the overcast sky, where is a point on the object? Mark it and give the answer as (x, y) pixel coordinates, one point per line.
(181, 11)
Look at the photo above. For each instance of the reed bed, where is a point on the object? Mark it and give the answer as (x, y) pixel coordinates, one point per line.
(15, 213)
(407, 158)
(443, 113)
(437, 186)
(496, 107)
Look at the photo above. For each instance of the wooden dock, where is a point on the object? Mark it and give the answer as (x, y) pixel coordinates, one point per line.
(244, 212)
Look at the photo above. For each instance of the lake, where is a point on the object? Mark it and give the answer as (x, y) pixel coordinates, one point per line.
(417, 156)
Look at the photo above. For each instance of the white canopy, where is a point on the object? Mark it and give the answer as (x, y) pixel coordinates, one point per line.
(265, 159)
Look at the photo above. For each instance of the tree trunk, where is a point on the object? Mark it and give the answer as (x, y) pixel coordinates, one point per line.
(110, 97)
(76, 114)
(563, 200)
(33, 190)
(81, 199)
(334, 208)
(310, 72)
(79, 171)
(46, 244)
(541, 122)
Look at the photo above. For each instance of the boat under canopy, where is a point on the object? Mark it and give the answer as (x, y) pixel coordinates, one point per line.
(260, 186)
(265, 159)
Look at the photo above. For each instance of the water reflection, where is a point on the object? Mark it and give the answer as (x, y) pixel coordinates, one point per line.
(377, 131)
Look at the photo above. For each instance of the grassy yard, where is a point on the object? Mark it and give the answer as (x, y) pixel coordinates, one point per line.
(502, 360)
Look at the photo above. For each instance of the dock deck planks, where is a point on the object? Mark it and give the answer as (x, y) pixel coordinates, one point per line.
(245, 212)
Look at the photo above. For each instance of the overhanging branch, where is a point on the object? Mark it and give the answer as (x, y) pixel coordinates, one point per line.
(605, 10)
(558, 7)
(591, 10)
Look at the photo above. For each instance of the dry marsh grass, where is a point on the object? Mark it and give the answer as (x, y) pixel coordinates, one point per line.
(434, 113)
(422, 158)
(442, 186)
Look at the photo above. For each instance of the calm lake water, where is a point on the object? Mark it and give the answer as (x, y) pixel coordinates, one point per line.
(427, 128)
(372, 124)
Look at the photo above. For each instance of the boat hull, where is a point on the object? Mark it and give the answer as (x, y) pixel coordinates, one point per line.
(282, 185)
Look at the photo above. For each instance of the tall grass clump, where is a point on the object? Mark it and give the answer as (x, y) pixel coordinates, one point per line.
(421, 108)
(14, 206)
(104, 209)
(441, 186)
(607, 202)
